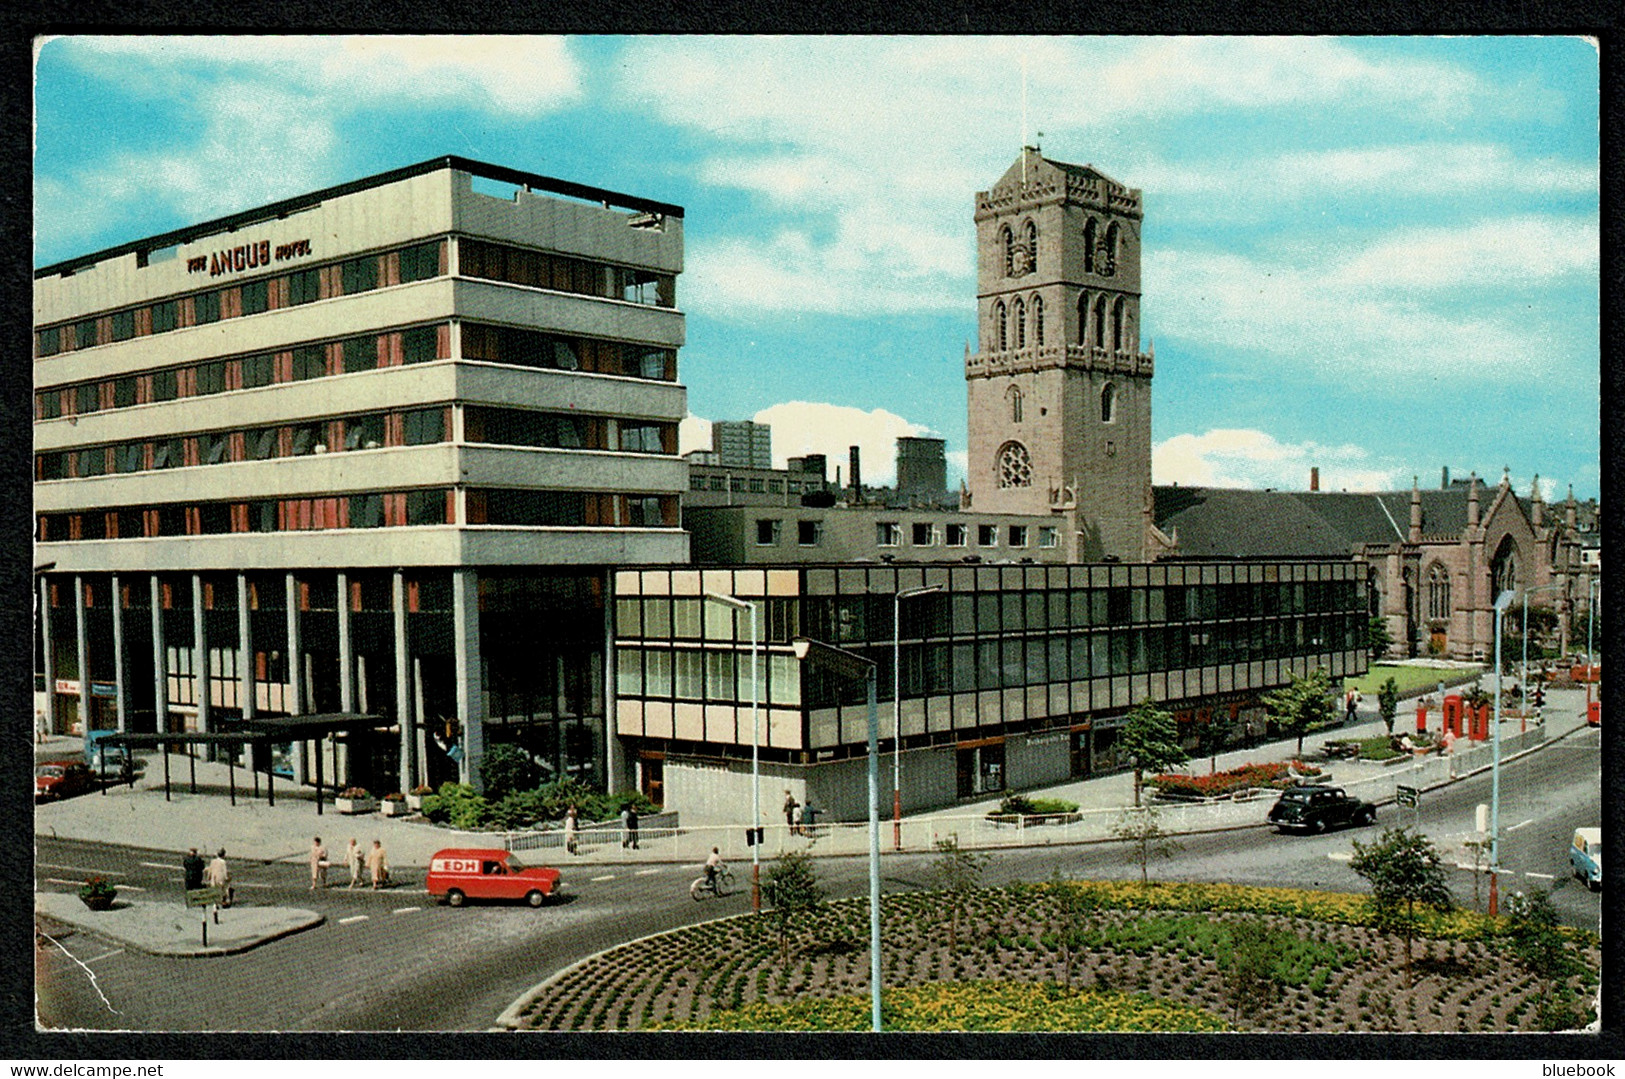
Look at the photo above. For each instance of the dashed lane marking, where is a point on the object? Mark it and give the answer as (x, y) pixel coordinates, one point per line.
(161, 865)
(645, 872)
(1340, 856)
(1541, 876)
(354, 918)
(405, 910)
(1520, 824)
(600, 880)
(76, 883)
(82, 869)
(105, 955)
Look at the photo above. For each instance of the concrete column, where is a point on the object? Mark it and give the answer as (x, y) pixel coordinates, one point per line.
(245, 653)
(83, 641)
(346, 657)
(403, 686)
(296, 674)
(612, 743)
(120, 696)
(200, 653)
(465, 609)
(49, 654)
(160, 658)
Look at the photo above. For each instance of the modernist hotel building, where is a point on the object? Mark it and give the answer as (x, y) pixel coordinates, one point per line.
(407, 447)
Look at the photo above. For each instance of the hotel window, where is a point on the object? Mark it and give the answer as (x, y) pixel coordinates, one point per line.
(165, 386)
(888, 534)
(767, 532)
(645, 512)
(166, 316)
(50, 404)
(257, 371)
(426, 507)
(123, 325)
(309, 361)
(421, 262)
(124, 392)
(924, 534)
(304, 286)
(256, 296)
(954, 535)
(87, 398)
(423, 426)
(50, 341)
(92, 462)
(809, 533)
(84, 334)
(360, 354)
(987, 535)
(211, 378)
(168, 453)
(307, 437)
(366, 511)
(1049, 536)
(261, 444)
(364, 432)
(420, 344)
(206, 308)
(359, 275)
(215, 447)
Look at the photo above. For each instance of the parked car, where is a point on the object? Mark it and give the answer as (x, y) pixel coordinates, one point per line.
(457, 875)
(62, 779)
(113, 760)
(1317, 808)
(1585, 856)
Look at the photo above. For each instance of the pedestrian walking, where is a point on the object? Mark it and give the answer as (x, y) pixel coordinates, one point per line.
(318, 864)
(626, 826)
(790, 805)
(632, 825)
(570, 830)
(218, 875)
(192, 870)
(1350, 701)
(352, 862)
(377, 867)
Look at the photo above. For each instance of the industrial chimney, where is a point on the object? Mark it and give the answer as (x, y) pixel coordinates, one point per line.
(855, 476)
(1314, 477)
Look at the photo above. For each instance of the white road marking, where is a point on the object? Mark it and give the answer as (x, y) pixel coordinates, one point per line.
(161, 865)
(249, 884)
(405, 910)
(1340, 856)
(130, 888)
(1541, 876)
(353, 918)
(82, 869)
(600, 880)
(1520, 824)
(59, 880)
(105, 955)
(645, 872)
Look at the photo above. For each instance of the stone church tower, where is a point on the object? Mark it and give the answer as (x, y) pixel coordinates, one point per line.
(1059, 391)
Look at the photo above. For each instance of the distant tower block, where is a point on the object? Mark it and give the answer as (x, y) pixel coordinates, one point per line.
(1059, 393)
(922, 470)
(742, 443)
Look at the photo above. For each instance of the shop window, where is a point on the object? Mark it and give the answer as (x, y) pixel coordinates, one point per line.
(981, 769)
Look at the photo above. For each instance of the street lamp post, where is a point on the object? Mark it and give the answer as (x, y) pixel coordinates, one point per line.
(852, 666)
(755, 749)
(1502, 601)
(897, 708)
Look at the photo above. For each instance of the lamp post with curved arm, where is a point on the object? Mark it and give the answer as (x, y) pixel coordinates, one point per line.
(755, 748)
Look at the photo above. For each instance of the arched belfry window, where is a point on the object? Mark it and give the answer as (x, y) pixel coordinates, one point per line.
(1031, 238)
(1089, 240)
(1015, 466)
(1438, 592)
(1100, 322)
(1038, 320)
(1108, 404)
(1009, 242)
(1083, 318)
(1018, 314)
(1014, 395)
(1109, 255)
(1117, 325)
(1002, 319)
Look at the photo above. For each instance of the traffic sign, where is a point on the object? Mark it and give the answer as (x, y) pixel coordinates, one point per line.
(1409, 797)
(203, 897)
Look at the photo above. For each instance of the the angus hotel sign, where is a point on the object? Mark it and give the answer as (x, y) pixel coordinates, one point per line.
(246, 257)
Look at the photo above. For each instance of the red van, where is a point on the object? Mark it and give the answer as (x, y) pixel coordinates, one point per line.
(460, 874)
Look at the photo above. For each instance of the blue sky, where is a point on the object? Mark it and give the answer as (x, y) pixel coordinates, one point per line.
(1379, 256)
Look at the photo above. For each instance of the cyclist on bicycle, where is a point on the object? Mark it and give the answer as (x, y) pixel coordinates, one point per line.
(712, 863)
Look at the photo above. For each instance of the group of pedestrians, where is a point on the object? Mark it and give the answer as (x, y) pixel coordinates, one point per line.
(374, 861)
(214, 874)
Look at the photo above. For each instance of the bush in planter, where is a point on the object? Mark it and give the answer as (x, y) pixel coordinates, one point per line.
(98, 893)
(355, 794)
(1019, 805)
(456, 804)
(422, 790)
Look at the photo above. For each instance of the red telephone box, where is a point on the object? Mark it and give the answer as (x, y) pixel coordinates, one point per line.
(1480, 720)
(1452, 714)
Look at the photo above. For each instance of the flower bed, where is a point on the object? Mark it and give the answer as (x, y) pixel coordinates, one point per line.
(1222, 784)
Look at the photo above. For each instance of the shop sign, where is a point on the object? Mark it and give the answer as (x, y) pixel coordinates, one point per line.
(67, 685)
(104, 689)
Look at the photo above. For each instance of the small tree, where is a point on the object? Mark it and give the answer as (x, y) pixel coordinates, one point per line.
(1217, 732)
(506, 768)
(791, 890)
(958, 874)
(1377, 638)
(1304, 704)
(1533, 936)
(1075, 904)
(1404, 870)
(1388, 703)
(1149, 737)
(1250, 969)
(1142, 830)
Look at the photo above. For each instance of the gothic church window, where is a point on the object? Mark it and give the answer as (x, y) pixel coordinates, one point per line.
(1108, 404)
(1117, 325)
(1009, 243)
(1002, 318)
(1015, 466)
(1089, 246)
(1100, 322)
(1019, 311)
(1438, 592)
(1038, 320)
(1109, 253)
(1083, 318)
(1032, 246)
(1015, 404)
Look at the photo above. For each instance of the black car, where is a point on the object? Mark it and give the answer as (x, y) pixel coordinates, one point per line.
(1317, 808)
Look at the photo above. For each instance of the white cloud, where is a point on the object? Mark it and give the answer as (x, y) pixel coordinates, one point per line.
(1506, 253)
(1255, 459)
(693, 433)
(803, 427)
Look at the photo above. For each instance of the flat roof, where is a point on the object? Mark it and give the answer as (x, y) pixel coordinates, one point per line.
(532, 181)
